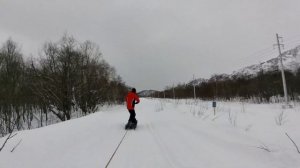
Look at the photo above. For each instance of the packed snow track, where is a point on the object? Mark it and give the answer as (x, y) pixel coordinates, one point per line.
(167, 136)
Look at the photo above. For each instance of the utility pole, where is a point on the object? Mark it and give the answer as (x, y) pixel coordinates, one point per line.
(173, 92)
(216, 87)
(214, 104)
(279, 45)
(194, 87)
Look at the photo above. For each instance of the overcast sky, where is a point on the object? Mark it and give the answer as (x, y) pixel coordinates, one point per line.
(155, 43)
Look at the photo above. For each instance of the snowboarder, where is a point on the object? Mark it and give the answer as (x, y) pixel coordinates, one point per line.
(131, 99)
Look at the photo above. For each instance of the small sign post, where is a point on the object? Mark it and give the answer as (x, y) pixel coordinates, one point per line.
(214, 104)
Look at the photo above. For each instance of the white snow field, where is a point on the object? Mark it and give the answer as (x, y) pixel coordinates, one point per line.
(170, 133)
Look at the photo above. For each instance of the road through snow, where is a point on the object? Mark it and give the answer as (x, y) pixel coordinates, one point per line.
(172, 139)
(166, 137)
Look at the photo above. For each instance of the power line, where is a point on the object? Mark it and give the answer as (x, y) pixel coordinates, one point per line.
(269, 51)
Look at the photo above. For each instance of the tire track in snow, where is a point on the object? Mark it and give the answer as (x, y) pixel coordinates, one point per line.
(165, 151)
(201, 141)
(185, 149)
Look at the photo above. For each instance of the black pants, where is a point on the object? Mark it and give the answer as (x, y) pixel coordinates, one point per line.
(132, 116)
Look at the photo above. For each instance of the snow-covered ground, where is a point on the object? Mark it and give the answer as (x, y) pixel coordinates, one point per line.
(170, 133)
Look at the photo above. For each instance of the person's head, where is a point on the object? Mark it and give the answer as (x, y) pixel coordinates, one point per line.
(133, 90)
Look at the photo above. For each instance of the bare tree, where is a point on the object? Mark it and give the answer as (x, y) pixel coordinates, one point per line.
(69, 76)
(74, 76)
(11, 79)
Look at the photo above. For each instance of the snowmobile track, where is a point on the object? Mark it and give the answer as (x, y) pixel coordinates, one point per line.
(165, 151)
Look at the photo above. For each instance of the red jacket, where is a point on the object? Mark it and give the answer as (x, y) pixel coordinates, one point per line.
(131, 100)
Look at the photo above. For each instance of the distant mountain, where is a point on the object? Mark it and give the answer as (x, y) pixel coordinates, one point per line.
(291, 61)
(147, 93)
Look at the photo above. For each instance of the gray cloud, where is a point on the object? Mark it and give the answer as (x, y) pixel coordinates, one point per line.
(159, 42)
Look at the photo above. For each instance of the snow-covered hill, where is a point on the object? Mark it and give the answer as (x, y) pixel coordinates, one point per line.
(147, 93)
(177, 134)
(291, 61)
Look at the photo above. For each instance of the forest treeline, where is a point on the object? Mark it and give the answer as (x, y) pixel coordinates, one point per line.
(66, 77)
(262, 87)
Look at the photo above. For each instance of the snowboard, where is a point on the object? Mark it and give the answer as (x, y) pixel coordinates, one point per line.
(130, 125)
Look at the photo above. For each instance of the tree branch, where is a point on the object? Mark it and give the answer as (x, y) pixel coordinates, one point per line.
(16, 146)
(293, 142)
(8, 137)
